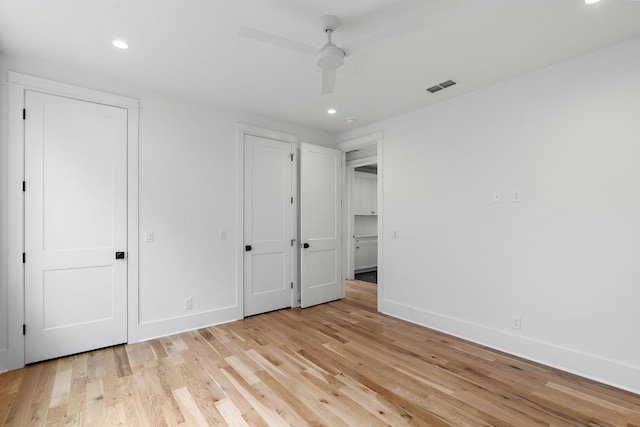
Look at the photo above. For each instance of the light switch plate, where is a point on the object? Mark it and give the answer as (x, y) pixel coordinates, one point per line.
(516, 196)
(148, 236)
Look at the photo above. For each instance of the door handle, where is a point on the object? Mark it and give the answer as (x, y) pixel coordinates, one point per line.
(305, 245)
(119, 255)
(247, 248)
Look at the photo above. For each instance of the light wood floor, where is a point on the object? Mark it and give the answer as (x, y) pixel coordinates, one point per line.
(339, 364)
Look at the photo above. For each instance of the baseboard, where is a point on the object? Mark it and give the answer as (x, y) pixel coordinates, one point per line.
(176, 325)
(606, 371)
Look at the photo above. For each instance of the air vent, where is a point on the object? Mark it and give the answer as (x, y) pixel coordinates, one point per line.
(443, 85)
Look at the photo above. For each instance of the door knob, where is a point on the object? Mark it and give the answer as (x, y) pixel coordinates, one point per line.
(247, 248)
(305, 245)
(119, 255)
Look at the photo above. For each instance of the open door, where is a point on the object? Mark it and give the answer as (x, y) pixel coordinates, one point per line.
(320, 224)
(268, 225)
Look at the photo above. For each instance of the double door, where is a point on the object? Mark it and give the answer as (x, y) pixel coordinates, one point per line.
(290, 239)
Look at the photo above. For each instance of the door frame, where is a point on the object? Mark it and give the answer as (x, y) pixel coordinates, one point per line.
(243, 129)
(361, 142)
(18, 84)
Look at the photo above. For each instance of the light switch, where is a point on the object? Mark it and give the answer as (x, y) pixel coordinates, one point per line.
(516, 196)
(395, 234)
(148, 236)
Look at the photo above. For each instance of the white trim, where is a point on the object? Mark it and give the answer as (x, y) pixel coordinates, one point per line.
(179, 324)
(361, 141)
(243, 129)
(295, 218)
(381, 236)
(37, 84)
(18, 84)
(266, 133)
(348, 221)
(611, 372)
(376, 138)
(14, 358)
(133, 240)
(362, 162)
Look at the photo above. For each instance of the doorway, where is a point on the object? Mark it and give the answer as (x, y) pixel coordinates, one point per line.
(364, 216)
(59, 253)
(363, 241)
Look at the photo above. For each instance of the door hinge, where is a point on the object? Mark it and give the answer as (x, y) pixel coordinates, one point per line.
(292, 240)
(24, 257)
(24, 114)
(24, 329)
(292, 200)
(291, 155)
(24, 186)
(291, 285)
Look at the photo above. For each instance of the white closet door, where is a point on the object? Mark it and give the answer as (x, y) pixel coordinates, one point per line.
(268, 225)
(320, 224)
(75, 222)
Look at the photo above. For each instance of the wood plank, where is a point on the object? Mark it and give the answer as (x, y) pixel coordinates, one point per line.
(337, 364)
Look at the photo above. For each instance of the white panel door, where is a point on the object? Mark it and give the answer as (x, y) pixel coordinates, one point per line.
(320, 224)
(75, 222)
(268, 225)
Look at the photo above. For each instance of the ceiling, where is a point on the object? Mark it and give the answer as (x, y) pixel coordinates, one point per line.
(191, 48)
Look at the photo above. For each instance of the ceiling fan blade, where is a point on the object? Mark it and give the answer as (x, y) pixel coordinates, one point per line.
(328, 80)
(278, 41)
(394, 30)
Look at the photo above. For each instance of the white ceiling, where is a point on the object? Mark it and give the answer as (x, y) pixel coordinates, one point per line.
(191, 48)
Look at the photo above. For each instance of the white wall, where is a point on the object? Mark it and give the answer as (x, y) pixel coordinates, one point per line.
(187, 172)
(566, 259)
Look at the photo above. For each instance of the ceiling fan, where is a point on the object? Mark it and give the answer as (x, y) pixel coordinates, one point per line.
(330, 57)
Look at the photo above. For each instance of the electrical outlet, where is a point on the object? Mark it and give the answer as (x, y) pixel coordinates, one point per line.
(222, 234)
(516, 322)
(188, 303)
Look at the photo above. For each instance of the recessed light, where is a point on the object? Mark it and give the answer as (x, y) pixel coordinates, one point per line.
(331, 111)
(591, 1)
(350, 120)
(120, 44)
